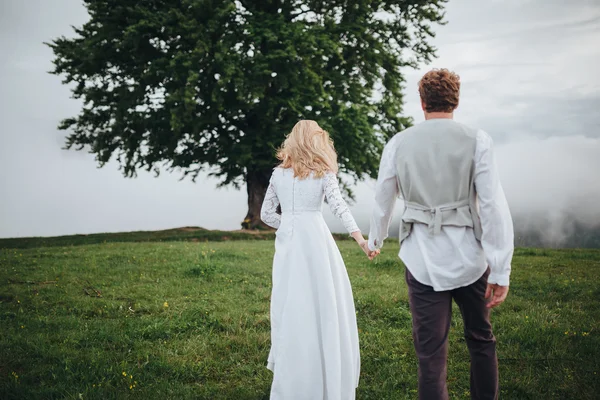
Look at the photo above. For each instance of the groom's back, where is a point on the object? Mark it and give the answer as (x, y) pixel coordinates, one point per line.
(434, 162)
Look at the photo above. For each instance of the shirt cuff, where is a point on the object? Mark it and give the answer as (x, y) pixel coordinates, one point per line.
(372, 245)
(501, 279)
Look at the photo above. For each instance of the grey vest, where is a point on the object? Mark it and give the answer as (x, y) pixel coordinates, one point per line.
(435, 171)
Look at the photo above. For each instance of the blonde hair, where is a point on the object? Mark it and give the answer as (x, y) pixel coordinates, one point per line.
(308, 149)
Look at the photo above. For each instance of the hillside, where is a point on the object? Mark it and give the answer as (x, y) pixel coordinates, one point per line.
(579, 237)
(159, 318)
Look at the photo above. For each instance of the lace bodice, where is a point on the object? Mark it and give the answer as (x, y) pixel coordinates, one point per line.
(297, 195)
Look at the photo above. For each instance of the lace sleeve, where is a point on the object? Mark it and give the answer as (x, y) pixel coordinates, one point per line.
(336, 202)
(268, 212)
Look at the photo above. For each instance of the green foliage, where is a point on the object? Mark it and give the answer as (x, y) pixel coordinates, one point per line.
(177, 334)
(194, 84)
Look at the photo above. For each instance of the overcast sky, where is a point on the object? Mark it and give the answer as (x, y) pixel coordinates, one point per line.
(529, 78)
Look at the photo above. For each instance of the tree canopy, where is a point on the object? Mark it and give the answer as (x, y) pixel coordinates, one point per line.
(202, 85)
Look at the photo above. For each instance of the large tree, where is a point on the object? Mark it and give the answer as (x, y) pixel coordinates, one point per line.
(215, 85)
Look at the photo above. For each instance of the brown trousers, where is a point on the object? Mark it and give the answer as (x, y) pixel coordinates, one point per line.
(431, 313)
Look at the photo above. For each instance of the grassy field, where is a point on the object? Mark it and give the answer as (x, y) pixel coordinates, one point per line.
(189, 320)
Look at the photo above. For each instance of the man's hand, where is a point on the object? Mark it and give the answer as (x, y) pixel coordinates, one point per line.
(496, 294)
(364, 245)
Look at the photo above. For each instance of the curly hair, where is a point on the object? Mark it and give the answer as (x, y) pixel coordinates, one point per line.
(308, 149)
(440, 90)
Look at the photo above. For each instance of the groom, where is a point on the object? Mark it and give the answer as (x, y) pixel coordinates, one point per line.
(456, 234)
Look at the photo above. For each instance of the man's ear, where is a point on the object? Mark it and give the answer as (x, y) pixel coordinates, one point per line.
(423, 105)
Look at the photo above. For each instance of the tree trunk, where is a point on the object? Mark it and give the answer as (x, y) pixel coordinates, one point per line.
(257, 182)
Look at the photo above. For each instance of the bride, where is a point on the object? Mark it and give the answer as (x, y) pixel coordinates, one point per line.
(314, 338)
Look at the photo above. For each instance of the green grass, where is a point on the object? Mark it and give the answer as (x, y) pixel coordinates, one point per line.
(190, 320)
(191, 234)
(187, 234)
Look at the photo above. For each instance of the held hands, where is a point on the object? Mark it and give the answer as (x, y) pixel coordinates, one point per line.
(495, 294)
(364, 245)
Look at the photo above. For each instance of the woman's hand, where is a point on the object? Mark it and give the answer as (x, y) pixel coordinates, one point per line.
(364, 245)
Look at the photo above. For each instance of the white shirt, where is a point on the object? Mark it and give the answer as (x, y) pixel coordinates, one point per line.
(454, 258)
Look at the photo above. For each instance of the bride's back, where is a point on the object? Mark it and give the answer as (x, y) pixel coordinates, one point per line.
(296, 194)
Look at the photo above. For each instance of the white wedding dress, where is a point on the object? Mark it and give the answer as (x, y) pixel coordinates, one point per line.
(314, 338)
